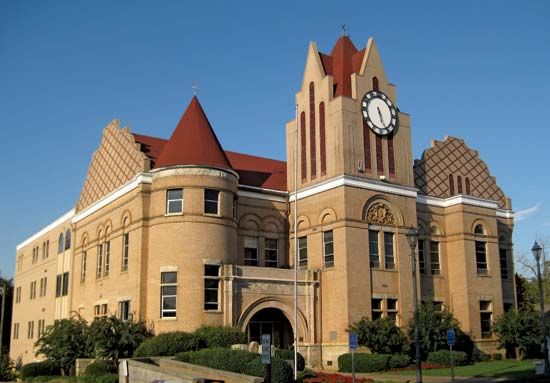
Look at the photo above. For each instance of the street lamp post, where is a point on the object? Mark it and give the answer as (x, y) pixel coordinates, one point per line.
(537, 250)
(412, 237)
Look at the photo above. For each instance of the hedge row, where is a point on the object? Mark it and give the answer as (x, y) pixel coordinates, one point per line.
(45, 368)
(443, 357)
(100, 368)
(288, 354)
(372, 362)
(242, 362)
(171, 343)
(111, 378)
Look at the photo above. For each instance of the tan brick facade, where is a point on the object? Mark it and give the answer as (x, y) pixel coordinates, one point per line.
(358, 196)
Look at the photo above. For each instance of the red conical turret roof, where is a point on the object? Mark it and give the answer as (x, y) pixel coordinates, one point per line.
(193, 142)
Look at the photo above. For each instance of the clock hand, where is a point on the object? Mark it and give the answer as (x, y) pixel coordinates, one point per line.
(380, 114)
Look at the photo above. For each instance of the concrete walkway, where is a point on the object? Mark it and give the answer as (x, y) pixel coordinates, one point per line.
(428, 379)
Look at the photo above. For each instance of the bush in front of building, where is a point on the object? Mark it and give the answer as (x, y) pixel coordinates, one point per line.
(288, 354)
(381, 336)
(219, 336)
(399, 361)
(519, 333)
(100, 368)
(241, 362)
(496, 356)
(443, 357)
(168, 344)
(45, 368)
(364, 362)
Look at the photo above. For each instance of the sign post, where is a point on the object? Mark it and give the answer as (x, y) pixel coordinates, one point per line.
(266, 356)
(352, 347)
(451, 341)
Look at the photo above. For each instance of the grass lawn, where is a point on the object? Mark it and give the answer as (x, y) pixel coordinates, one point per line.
(495, 369)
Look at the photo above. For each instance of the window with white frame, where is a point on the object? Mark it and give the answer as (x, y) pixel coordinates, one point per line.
(16, 331)
(435, 266)
(376, 308)
(421, 256)
(33, 290)
(68, 239)
(125, 250)
(65, 286)
(374, 255)
(18, 295)
(211, 200)
(99, 267)
(174, 201)
(503, 258)
(481, 257)
(58, 285)
(302, 251)
(43, 286)
(30, 329)
(328, 248)
(211, 287)
(168, 294)
(124, 310)
(485, 317)
(107, 258)
(271, 252)
(83, 265)
(60, 244)
(41, 327)
(251, 251)
(391, 309)
(389, 257)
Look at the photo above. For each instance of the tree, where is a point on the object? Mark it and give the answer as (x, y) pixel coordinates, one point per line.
(64, 342)
(114, 339)
(381, 336)
(519, 332)
(433, 326)
(524, 296)
(7, 286)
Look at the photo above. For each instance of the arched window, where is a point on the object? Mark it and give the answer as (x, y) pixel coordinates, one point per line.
(479, 229)
(467, 185)
(68, 239)
(459, 184)
(312, 143)
(451, 185)
(303, 145)
(375, 83)
(322, 139)
(60, 244)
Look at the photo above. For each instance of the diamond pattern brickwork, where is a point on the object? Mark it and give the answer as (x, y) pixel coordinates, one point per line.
(117, 160)
(453, 156)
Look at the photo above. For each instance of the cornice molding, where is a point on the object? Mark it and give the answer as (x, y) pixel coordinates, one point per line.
(68, 215)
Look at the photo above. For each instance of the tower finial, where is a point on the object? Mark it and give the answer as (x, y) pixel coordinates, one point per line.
(195, 88)
(344, 31)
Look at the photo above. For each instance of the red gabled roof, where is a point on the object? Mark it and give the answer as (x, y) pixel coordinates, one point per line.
(193, 142)
(150, 146)
(343, 61)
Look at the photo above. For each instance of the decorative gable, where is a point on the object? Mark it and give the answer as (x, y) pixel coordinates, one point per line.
(450, 167)
(117, 160)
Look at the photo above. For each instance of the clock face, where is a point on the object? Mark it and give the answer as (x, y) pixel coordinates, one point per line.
(379, 112)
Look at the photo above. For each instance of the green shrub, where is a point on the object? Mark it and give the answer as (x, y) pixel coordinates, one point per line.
(307, 373)
(100, 368)
(482, 357)
(496, 356)
(218, 336)
(399, 361)
(288, 354)
(443, 357)
(381, 336)
(110, 378)
(364, 362)
(168, 344)
(281, 371)
(45, 368)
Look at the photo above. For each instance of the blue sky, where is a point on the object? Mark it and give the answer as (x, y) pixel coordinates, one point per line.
(472, 69)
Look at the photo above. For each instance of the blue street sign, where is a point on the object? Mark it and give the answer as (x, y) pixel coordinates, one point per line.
(451, 337)
(266, 349)
(352, 341)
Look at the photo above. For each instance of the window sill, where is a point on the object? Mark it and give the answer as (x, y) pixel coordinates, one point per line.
(173, 214)
(124, 272)
(212, 215)
(169, 319)
(212, 311)
(484, 275)
(328, 268)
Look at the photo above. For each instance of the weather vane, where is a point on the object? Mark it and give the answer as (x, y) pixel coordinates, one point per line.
(344, 31)
(195, 88)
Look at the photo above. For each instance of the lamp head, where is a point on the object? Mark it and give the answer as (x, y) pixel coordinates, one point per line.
(536, 250)
(412, 237)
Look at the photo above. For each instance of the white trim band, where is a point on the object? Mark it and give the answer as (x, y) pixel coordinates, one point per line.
(265, 196)
(57, 222)
(146, 178)
(355, 182)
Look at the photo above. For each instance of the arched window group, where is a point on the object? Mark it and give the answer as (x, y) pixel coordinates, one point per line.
(459, 185)
(480, 244)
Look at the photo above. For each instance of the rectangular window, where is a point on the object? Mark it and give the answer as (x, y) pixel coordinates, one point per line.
(104, 310)
(30, 329)
(421, 257)
(271, 252)
(168, 294)
(328, 248)
(174, 201)
(391, 307)
(99, 269)
(211, 197)
(302, 252)
(485, 313)
(376, 304)
(83, 266)
(481, 258)
(43, 285)
(96, 311)
(58, 285)
(373, 249)
(41, 327)
(211, 287)
(434, 258)
(18, 295)
(503, 263)
(250, 251)
(16, 331)
(107, 258)
(438, 306)
(65, 290)
(125, 250)
(388, 251)
(124, 310)
(33, 290)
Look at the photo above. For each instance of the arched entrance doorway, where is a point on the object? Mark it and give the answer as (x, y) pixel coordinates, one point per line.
(270, 321)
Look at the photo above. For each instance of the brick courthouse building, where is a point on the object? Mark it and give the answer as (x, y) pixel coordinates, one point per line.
(179, 232)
